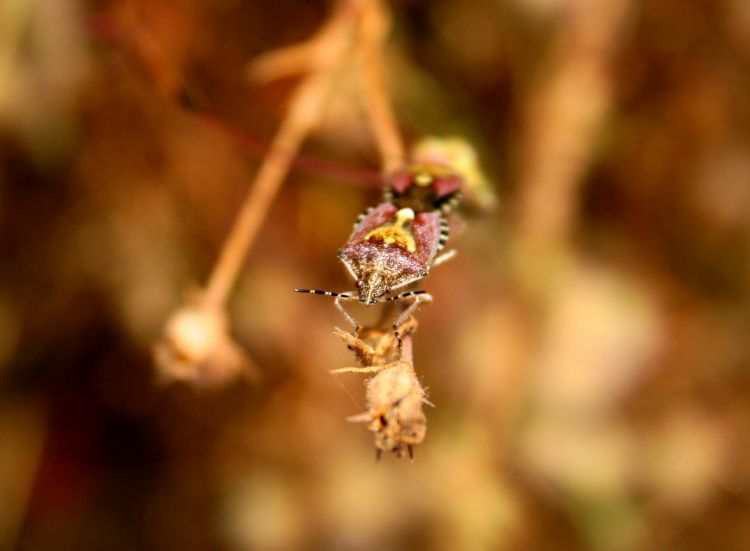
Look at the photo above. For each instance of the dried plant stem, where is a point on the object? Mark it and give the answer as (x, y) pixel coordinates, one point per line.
(563, 123)
(564, 118)
(304, 113)
(375, 23)
(327, 52)
(196, 345)
(407, 349)
(394, 397)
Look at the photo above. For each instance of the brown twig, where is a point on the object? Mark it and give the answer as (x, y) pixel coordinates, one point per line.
(304, 113)
(394, 396)
(564, 118)
(373, 31)
(196, 345)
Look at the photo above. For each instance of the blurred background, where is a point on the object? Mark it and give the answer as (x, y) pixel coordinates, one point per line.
(587, 351)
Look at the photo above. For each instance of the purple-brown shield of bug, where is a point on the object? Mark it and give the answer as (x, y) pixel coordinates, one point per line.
(376, 218)
(423, 187)
(426, 229)
(380, 265)
(401, 180)
(449, 184)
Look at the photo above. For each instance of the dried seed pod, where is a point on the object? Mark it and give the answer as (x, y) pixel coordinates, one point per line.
(394, 396)
(394, 413)
(197, 348)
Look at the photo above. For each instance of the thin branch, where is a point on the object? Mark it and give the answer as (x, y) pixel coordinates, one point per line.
(394, 397)
(565, 116)
(196, 345)
(304, 113)
(375, 23)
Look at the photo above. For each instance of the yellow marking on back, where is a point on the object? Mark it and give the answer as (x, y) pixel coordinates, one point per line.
(396, 232)
(423, 179)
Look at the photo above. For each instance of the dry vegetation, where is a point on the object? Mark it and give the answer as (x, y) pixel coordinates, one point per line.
(193, 161)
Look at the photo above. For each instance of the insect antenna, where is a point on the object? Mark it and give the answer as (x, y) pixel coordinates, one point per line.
(324, 293)
(402, 296)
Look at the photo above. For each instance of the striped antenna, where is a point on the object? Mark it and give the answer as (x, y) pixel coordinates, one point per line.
(405, 295)
(324, 293)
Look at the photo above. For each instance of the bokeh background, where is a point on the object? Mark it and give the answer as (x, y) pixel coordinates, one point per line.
(587, 352)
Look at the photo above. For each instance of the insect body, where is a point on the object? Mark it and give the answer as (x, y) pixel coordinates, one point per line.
(424, 187)
(390, 248)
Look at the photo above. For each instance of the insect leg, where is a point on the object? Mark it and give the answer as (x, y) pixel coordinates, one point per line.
(337, 302)
(445, 257)
(417, 298)
(349, 318)
(444, 233)
(451, 203)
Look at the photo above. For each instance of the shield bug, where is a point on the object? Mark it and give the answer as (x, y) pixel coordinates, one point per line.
(458, 154)
(424, 187)
(388, 249)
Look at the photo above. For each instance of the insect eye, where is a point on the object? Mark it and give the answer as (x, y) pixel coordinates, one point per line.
(358, 284)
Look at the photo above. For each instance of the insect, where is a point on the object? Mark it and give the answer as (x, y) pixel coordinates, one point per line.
(391, 247)
(424, 187)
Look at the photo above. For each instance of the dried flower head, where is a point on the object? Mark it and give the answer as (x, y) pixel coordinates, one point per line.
(197, 348)
(394, 413)
(394, 396)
